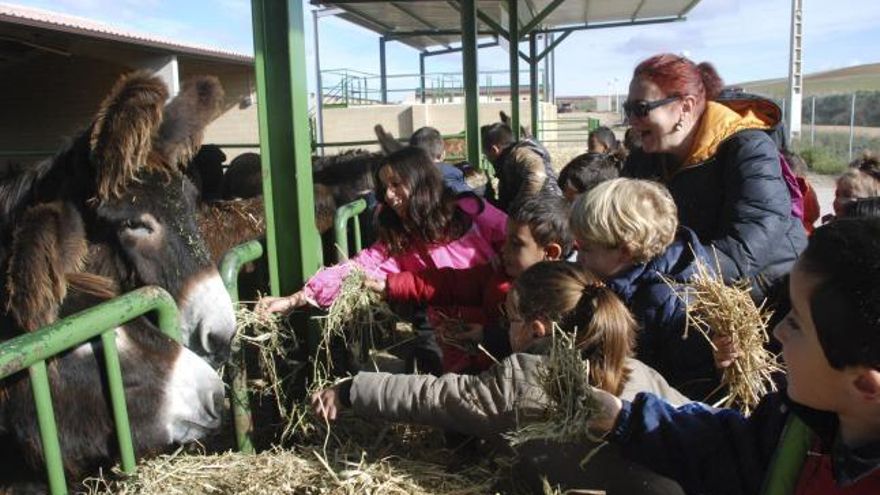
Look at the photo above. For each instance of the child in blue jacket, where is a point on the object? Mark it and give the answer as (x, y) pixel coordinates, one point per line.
(831, 347)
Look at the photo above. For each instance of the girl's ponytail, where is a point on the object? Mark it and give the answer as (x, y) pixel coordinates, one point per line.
(607, 338)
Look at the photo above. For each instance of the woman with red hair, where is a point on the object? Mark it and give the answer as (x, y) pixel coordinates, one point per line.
(719, 163)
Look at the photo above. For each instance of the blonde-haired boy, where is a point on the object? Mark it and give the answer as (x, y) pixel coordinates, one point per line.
(627, 233)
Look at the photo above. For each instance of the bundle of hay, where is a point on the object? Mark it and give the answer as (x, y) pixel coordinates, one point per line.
(714, 308)
(565, 381)
(299, 471)
(358, 315)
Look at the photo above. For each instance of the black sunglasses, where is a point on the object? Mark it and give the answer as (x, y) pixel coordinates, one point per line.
(641, 108)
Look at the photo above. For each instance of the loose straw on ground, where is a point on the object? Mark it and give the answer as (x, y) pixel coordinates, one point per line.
(565, 381)
(299, 471)
(714, 308)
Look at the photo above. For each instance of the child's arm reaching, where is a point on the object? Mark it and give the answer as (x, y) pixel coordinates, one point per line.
(706, 450)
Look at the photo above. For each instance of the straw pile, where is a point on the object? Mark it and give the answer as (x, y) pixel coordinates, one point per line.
(570, 402)
(714, 308)
(299, 471)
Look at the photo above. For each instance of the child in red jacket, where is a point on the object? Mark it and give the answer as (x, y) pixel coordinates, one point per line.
(465, 305)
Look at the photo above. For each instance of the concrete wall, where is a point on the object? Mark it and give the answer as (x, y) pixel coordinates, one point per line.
(356, 123)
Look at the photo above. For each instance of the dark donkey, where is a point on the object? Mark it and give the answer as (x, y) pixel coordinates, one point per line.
(110, 213)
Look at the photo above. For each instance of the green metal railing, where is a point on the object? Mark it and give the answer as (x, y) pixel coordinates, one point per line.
(32, 350)
(345, 213)
(230, 266)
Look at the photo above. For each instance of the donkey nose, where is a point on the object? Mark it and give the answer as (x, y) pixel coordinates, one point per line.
(194, 399)
(207, 318)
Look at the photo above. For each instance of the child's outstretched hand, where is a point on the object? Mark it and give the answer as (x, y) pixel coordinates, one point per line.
(724, 352)
(283, 305)
(375, 285)
(326, 404)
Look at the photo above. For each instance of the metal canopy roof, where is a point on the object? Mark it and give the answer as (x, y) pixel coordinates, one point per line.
(425, 24)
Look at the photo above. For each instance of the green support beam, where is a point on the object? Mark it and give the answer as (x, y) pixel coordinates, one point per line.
(383, 71)
(533, 81)
(471, 86)
(422, 56)
(540, 17)
(553, 45)
(279, 53)
(513, 51)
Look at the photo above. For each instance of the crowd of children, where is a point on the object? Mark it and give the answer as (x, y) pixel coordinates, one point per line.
(601, 252)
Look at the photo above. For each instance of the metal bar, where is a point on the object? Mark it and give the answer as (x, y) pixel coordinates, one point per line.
(422, 75)
(25, 350)
(540, 17)
(638, 9)
(513, 52)
(505, 33)
(852, 124)
(340, 226)
(813, 123)
(606, 25)
(230, 266)
(393, 35)
(533, 81)
(279, 56)
(470, 75)
(418, 19)
(553, 45)
(48, 429)
(319, 99)
(117, 401)
(488, 44)
(383, 71)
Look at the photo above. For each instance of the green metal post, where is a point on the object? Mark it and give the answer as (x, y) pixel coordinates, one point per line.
(230, 265)
(422, 75)
(340, 223)
(117, 400)
(513, 29)
(279, 55)
(383, 71)
(533, 81)
(48, 429)
(471, 88)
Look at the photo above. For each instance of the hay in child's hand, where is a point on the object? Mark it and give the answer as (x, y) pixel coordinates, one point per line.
(355, 315)
(565, 380)
(714, 308)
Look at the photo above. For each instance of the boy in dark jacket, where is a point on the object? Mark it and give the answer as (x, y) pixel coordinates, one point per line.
(823, 435)
(537, 230)
(628, 234)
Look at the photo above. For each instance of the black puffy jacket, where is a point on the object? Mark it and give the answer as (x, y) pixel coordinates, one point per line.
(731, 192)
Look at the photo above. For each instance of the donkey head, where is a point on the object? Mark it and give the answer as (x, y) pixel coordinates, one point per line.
(122, 180)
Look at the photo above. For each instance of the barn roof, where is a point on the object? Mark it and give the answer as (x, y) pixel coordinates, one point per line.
(29, 17)
(437, 23)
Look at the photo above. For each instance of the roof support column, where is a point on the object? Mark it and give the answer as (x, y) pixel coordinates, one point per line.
(422, 75)
(319, 90)
(513, 50)
(471, 88)
(383, 74)
(533, 81)
(283, 110)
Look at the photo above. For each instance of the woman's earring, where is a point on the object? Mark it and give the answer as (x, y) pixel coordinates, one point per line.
(678, 125)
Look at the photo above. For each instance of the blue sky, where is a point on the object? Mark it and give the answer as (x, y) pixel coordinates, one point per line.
(745, 39)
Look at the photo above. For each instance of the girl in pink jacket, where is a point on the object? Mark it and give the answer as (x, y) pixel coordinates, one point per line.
(420, 225)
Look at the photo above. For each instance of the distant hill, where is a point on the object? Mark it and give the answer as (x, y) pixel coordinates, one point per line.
(856, 78)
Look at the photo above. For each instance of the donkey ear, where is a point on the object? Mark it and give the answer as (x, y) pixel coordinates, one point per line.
(122, 135)
(386, 140)
(48, 243)
(180, 136)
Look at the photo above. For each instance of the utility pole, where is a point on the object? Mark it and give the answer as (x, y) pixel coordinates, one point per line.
(795, 78)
